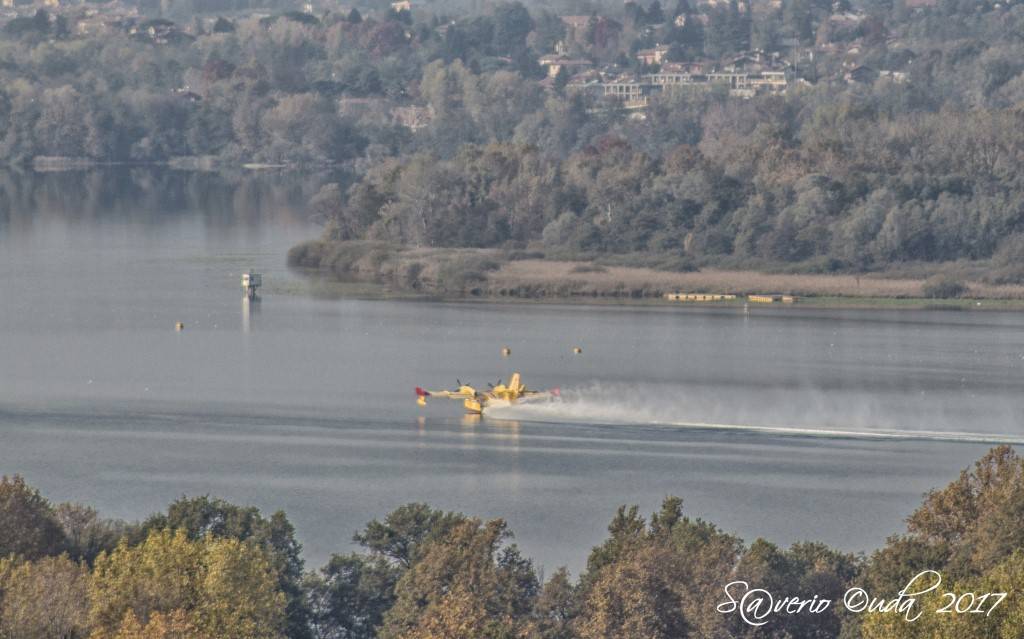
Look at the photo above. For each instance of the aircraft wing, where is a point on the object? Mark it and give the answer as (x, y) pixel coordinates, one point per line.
(422, 395)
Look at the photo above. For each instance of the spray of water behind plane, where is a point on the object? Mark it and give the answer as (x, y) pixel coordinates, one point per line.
(798, 412)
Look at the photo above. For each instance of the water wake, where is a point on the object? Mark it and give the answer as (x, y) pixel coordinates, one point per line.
(604, 405)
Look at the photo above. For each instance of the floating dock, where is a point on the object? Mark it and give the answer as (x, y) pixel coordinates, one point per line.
(698, 297)
(772, 299)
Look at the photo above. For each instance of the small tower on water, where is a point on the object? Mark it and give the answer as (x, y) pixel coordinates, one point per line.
(250, 282)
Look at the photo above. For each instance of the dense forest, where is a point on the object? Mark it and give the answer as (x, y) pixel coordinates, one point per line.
(897, 138)
(210, 569)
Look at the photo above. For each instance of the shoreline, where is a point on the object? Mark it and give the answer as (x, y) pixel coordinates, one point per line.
(376, 270)
(362, 290)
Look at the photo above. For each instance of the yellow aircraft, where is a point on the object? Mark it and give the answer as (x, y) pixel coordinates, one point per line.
(498, 395)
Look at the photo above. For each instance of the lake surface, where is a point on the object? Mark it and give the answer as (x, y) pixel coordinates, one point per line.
(790, 424)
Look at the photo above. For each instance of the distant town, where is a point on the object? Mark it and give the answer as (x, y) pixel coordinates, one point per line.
(595, 55)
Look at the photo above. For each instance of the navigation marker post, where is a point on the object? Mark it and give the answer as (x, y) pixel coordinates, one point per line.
(250, 282)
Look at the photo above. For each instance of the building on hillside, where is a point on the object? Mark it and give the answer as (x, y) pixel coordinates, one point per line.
(692, 67)
(861, 75)
(847, 19)
(899, 77)
(158, 31)
(633, 94)
(652, 56)
(683, 19)
(186, 94)
(555, 63)
(740, 63)
(636, 93)
(576, 23)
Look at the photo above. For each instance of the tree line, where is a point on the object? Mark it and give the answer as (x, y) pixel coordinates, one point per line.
(850, 190)
(832, 176)
(208, 568)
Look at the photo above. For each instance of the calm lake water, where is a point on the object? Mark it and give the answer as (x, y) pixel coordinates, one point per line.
(790, 424)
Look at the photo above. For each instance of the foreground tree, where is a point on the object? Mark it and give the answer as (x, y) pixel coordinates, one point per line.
(659, 580)
(44, 599)
(86, 533)
(468, 585)
(634, 598)
(28, 526)
(176, 625)
(971, 533)
(556, 607)
(978, 517)
(407, 530)
(226, 588)
(347, 599)
(204, 516)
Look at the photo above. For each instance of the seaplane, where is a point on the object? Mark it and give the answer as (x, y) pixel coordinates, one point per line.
(476, 401)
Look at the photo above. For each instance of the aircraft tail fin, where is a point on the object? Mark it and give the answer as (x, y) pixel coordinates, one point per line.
(514, 384)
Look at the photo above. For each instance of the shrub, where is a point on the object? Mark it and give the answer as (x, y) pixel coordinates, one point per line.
(458, 272)
(943, 287)
(306, 255)
(513, 256)
(676, 264)
(1008, 261)
(410, 277)
(347, 258)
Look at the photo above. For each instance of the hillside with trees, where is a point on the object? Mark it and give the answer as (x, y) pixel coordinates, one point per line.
(825, 137)
(210, 569)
